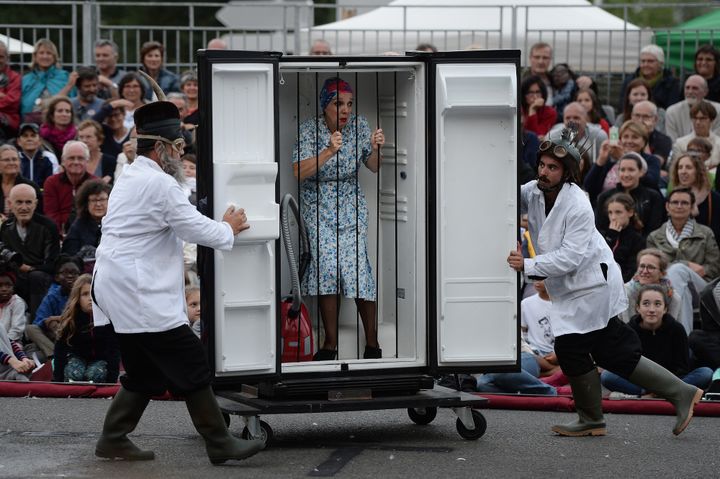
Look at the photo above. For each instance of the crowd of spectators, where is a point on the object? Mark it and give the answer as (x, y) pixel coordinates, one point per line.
(649, 170)
(65, 138)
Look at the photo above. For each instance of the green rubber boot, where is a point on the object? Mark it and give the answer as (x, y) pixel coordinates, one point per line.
(221, 446)
(587, 393)
(655, 378)
(121, 418)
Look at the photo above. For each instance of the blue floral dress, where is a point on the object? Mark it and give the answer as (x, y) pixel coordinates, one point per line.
(328, 202)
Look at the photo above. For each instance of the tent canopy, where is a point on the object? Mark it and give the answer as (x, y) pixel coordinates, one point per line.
(681, 41)
(585, 36)
(16, 46)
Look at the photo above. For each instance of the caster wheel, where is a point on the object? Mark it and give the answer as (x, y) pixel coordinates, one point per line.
(226, 417)
(472, 434)
(266, 433)
(422, 415)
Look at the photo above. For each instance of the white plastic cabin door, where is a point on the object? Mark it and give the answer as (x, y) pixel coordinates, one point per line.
(476, 200)
(242, 123)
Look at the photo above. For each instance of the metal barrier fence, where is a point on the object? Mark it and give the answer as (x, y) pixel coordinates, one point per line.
(584, 36)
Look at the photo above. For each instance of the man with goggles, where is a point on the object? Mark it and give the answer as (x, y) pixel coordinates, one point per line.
(138, 288)
(586, 288)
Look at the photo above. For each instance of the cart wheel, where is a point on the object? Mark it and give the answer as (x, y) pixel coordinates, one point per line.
(472, 434)
(226, 417)
(266, 433)
(422, 415)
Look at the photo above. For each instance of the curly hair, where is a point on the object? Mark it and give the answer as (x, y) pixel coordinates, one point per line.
(82, 199)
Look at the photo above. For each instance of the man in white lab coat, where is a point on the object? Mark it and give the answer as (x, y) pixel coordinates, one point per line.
(586, 288)
(138, 288)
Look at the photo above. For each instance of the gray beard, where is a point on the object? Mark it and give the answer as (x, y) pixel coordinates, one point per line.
(173, 167)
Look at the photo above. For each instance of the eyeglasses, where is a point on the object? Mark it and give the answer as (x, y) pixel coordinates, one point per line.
(679, 203)
(97, 201)
(558, 150)
(534, 92)
(647, 267)
(638, 116)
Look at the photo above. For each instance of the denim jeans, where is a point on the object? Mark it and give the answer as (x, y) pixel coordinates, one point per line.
(524, 382)
(699, 377)
(685, 282)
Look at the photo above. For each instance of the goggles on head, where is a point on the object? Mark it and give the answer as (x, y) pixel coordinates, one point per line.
(178, 144)
(558, 151)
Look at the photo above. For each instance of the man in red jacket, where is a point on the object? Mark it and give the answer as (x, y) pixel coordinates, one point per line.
(10, 88)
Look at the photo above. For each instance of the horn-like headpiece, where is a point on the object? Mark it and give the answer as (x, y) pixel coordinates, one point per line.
(156, 88)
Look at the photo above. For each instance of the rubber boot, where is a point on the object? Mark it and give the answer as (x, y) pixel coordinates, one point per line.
(655, 378)
(123, 415)
(221, 446)
(587, 393)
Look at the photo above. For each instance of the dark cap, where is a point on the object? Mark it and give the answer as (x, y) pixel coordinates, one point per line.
(31, 126)
(160, 118)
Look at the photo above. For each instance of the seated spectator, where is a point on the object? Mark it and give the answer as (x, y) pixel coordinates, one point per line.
(537, 354)
(10, 90)
(588, 99)
(132, 89)
(690, 246)
(45, 327)
(705, 342)
(13, 310)
(60, 189)
(86, 103)
(188, 163)
(181, 102)
(320, 47)
(59, 126)
(665, 87)
(426, 47)
(10, 176)
(109, 75)
(702, 115)
(192, 298)
(688, 171)
(604, 174)
(537, 116)
(100, 164)
(91, 201)
(128, 154)
(652, 266)
(44, 80)
(14, 365)
(189, 86)
(151, 59)
(84, 352)
(707, 65)
(648, 202)
(638, 90)
(678, 119)
(623, 232)
(659, 144)
(36, 238)
(589, 134)
(112, 119)
(217, 44)
(36, 163)
(663, 340)
(562, 80)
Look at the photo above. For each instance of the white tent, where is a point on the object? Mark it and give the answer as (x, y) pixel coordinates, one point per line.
(585, 36)
(16, 46)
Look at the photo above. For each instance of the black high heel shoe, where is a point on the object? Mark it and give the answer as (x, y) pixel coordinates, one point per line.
(325, 355)
(372, 353)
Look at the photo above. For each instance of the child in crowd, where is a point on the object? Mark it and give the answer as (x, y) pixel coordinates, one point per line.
(623, 232)
(43, 331)
(14, 365)
(84, 352)
(188, 163)
(663, 340)
(192, 298)
(13, 310)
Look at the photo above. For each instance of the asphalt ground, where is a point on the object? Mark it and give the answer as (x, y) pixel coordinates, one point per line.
(56, 437)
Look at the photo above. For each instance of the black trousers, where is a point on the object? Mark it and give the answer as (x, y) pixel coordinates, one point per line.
(616, 348)
(172, 360)
(705, 345)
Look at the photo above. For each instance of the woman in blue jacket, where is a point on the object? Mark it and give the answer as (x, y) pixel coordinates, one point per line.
(44, 80)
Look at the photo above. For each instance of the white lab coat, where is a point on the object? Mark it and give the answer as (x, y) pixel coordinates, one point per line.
(569, 252)
(138, 279)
